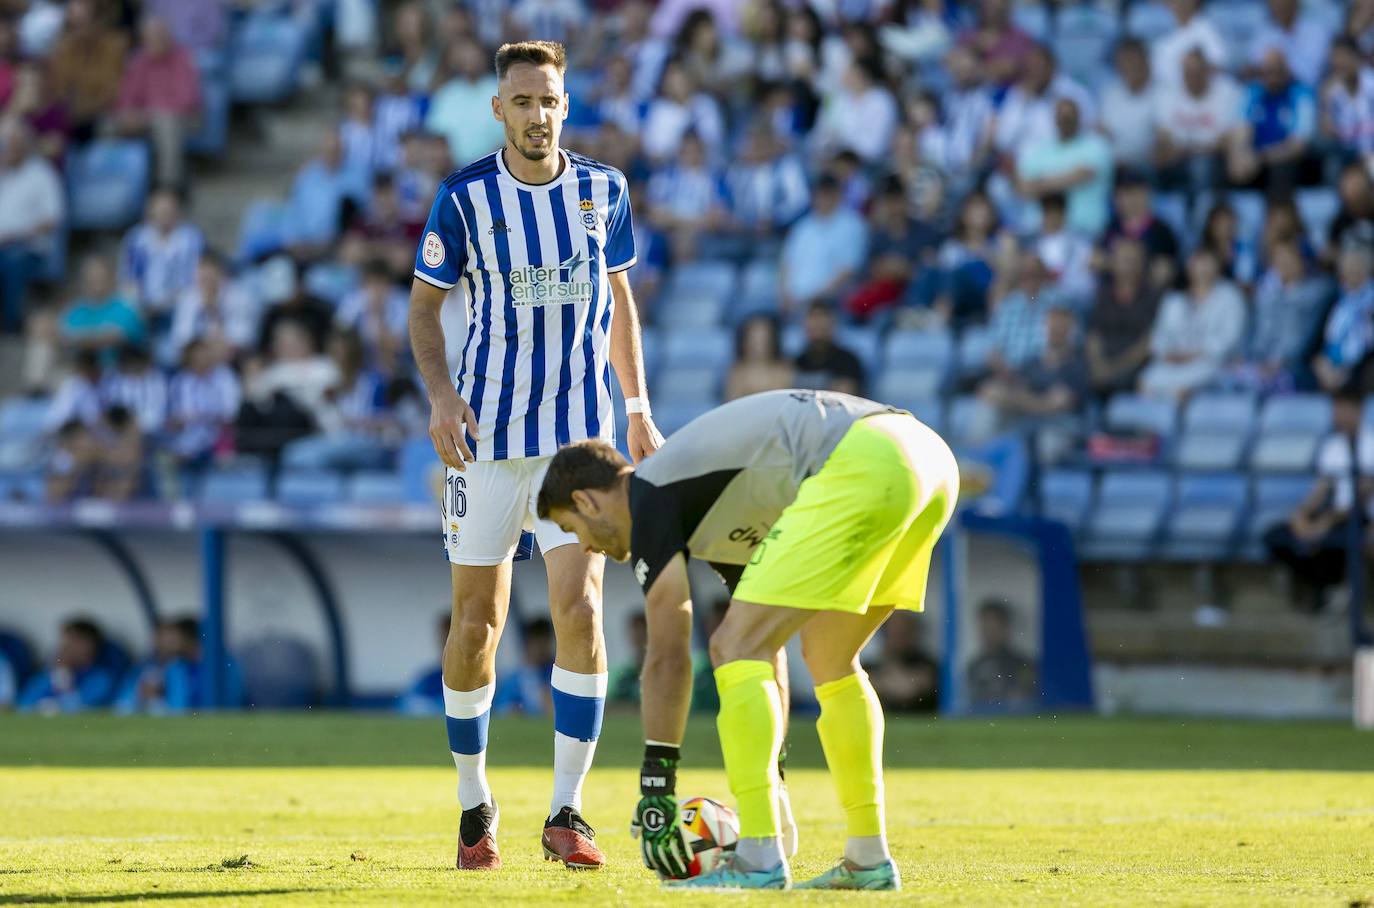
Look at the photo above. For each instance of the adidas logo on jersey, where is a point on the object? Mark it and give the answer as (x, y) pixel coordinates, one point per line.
(498, 226)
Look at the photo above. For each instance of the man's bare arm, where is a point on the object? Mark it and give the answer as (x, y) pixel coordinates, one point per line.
(449, 414)
(666, 682)
(627, 356)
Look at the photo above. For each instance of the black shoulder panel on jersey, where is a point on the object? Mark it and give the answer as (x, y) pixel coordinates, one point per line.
(665, 517)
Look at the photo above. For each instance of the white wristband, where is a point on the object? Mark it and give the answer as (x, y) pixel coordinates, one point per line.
(637, 405)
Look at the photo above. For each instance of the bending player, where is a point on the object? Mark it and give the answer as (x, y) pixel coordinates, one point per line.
(824, 508)
(540, 241)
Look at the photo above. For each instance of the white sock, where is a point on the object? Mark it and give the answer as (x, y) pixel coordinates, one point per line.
(759, 854)
(579, 702)
(867, 851)
(467, 713)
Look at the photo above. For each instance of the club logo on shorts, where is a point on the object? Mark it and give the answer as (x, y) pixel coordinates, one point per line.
(432, 250)
(453, 532)
(641, 571)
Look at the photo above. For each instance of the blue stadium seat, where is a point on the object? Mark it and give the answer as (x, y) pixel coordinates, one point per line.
(688, 384)
(1066, 496)
(310, 487)
(1034, 20)
(266, 52)
(1216, 430)
(1238, 21)
(672, 414)
(261, 229)
(1250, 208)
(376, 487)
(18, 653)
(1290, 428)
(1150, 20)
(1206, 516)
(971, 421)
(901, 385)
(975, 346)
(1126, 519)
(706, 348)
(1083, 39)
(211, 138)
(864, 342)
(932, 350)
(651, 344)
(331, 281)
(107, 182)
(930, 410)
(1126, 412)
(1318, 207)
(233, 485)
(21, 418)
(697, 295)
(1173, 209)
(759, 283)
(421, 470)
(1275, 499)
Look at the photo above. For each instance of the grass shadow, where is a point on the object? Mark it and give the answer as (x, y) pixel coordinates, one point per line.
(311, 739)
(115, 898)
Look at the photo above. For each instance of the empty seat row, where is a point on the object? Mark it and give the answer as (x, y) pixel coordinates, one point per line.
(1133, 514)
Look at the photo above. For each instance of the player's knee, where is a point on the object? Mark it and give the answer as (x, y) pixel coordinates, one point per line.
(474, 635)
(827, 663)
(725, 647)
(577, 617)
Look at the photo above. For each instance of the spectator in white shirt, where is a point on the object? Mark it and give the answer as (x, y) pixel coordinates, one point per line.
(1198, 125)
(1128, 106)
(32, 208)
(1194, 32)
(823, 251)
(679, 109)
(1303, 41)
(860, 116)
(967, 113)
(548, 20)
(217, 311)
(1195, 332)
(78, 398)
(766, 186)
(159, 257)
(1347, 101)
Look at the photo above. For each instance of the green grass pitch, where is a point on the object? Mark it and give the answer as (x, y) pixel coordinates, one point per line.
(287, 810)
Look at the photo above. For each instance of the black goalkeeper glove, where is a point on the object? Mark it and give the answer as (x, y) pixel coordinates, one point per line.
(657, 821)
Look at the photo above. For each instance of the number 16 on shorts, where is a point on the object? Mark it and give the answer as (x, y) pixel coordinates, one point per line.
(455, 505)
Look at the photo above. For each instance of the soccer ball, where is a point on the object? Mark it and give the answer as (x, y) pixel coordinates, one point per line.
(712, 832)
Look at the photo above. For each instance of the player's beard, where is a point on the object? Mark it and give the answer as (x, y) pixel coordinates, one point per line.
(534, 153)
(606, 539)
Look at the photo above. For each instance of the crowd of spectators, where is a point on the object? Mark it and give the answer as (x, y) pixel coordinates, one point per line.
(1150, 197)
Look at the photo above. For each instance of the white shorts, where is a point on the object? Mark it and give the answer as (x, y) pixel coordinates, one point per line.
(487, 507)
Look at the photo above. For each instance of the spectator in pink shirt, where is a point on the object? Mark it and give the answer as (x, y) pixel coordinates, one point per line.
(1002, 48)
(160, 98)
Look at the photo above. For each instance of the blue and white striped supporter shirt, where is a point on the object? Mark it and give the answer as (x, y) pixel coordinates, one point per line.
(533, 262)
(143, 394)
(159, 267)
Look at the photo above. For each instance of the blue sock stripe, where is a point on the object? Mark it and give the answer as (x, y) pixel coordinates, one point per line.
(577, 717)
(467, 736)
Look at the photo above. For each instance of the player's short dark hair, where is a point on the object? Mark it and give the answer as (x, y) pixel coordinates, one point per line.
(535, 53)
(590, 464)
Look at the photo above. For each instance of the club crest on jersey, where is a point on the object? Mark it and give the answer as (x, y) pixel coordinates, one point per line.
(589, 218)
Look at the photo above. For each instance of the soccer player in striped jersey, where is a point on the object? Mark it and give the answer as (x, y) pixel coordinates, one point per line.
(540, 241)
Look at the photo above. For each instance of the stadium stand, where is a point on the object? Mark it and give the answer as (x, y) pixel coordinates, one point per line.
(302, 144)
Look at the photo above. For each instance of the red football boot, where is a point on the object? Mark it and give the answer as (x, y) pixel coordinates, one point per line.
(569, 839)
(477, 839)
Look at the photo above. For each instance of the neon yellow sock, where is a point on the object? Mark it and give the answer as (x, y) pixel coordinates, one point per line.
(750, 724)
(851, 731)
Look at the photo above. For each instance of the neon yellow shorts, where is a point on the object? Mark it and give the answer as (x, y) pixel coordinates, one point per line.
(861, 530)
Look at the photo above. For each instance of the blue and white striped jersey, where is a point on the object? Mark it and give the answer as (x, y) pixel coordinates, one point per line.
(533, 262)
